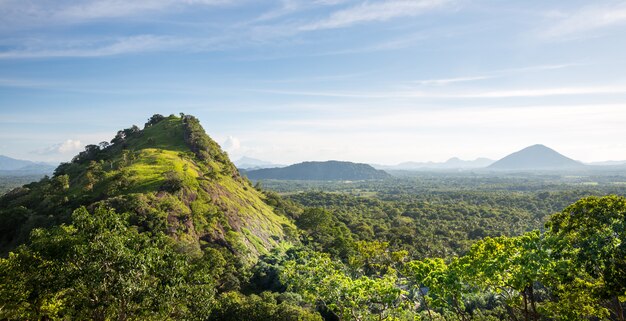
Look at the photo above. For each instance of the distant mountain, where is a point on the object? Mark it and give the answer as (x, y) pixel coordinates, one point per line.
(452, 163)
(455, 162)
(536, 157)
(253, 163)
(608, 163)
(322, 171)
(9, 164)
(17, 167)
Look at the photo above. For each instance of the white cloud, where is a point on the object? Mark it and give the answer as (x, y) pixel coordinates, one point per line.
(69, 146)
(66, 147)
(232, 144)
(376, 11)
(586, 19)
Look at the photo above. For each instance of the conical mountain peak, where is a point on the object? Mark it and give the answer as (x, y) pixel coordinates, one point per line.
(535, 157)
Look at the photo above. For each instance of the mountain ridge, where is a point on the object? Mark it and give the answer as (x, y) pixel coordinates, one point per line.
(13, 166)
(249, 163)
(324, 171)
(452, 163)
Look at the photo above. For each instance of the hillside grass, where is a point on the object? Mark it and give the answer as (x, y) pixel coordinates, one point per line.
(155, 170)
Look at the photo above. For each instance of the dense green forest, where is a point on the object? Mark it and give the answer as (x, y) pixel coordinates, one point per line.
(9, 182)
(158, 224)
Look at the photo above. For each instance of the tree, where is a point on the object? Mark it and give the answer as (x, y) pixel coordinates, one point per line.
(155, 119)
(374, 258)
(325, 232)
(592, 233)
(119, 138)
(235, 306)
(510, 266)
(439, 285)
(315, 220)
(321, 280)
(61, 183)
(133, 130)
(100, 268)
(91, 181)
(91, 152)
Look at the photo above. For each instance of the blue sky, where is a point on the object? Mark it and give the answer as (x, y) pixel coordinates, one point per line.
(287, 81)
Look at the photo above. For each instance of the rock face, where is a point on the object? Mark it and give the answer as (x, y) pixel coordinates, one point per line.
(536, 157)
(321, 171)
(170, 177)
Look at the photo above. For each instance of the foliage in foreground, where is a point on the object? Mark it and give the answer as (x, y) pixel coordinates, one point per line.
(101, 268)
(574, 271)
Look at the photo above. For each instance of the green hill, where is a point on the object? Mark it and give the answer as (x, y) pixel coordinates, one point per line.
(171, 176)
(320, 171)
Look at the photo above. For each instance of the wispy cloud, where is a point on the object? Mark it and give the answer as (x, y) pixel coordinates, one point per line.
(96, 48)
(309, 79)
(396, 43)
(348, 94)
(414, 94)
(545, 92)
(23, 83)
(447, 81)
(283, 24)
(492, 117)
(66, 147)
(376, 11)
(538, 68)
(289, 7)
(119, 8)
(586, 19)
(491, 74)
(69, 12)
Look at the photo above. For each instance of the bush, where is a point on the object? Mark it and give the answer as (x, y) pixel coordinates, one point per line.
(173, 182)
(236, 306)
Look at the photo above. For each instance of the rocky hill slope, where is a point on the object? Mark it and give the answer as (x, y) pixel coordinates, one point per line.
(170, 176)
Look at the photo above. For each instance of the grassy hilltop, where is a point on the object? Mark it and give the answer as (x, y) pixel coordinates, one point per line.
(170, 175)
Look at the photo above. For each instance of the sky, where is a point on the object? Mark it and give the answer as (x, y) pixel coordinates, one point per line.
(287, 81)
